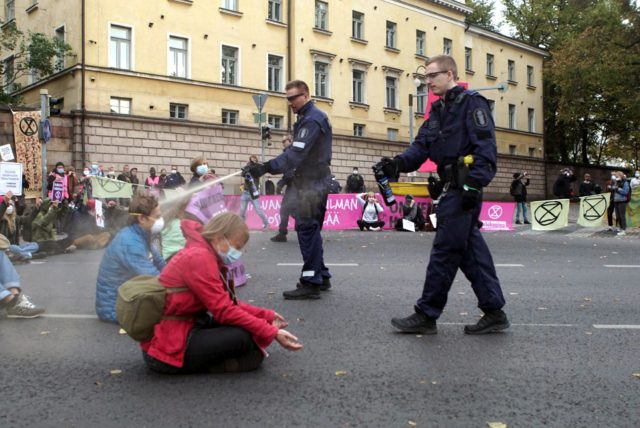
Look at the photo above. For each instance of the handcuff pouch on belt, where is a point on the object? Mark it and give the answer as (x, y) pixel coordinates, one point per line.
(453, 177)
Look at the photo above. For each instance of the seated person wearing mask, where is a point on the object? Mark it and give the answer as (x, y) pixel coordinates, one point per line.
(411, 212)
(371, 210)
(206, 328)
(130, 254)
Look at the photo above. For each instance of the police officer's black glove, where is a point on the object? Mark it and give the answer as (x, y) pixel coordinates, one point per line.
(390, 168)
(256, 169)
(471, 194)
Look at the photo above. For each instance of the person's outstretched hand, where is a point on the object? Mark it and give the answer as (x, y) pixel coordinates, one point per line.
(288, 341)
(279, 321)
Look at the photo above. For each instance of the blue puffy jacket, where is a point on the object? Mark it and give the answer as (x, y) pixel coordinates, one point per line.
(130, 254)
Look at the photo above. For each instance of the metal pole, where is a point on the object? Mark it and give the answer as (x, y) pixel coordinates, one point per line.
(44, 100)
(410, 118)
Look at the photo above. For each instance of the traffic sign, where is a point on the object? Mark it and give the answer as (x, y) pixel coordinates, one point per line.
(260, 100)
(259, 117)
(46, 130)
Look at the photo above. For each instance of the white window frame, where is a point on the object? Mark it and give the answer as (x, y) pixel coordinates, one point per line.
(530, 76)
(235, 112)
(317, 17)
(395, 74)
(283, 77)
(5, 81)
(511, 70)
(395, 134)
(421, 98)
(120, 100)
(421, 42)
(177, 106)
(272, 6)
(492, 108)
(490, 65)
(111, 61)
(531, 120)
(391, 34)
(59, 60)
(230, 5)
(513, 150)
(188, 65)
(512, 116)
(9, 12)
(447, 46)
(271, 120)
(468, 58)
(238, 63)
(357, 24)
(362, 127)
(363, 88)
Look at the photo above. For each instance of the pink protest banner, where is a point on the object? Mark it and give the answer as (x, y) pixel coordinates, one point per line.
(57, 191)
(343, 211)
(497, 216)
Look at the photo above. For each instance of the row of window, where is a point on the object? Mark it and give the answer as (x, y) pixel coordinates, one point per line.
(230, 117)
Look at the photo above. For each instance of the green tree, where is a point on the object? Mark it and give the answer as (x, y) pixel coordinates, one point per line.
(29, 53)
(482, 14)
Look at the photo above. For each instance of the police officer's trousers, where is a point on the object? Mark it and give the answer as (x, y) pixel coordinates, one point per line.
(459, 244)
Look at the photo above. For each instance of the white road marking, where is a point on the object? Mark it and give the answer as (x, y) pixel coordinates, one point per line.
(326, 264)
(514, 324)
(508, 265)
(622, 266)
(71, 316)
(617, 326)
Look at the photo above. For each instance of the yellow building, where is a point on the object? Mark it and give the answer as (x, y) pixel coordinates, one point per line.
(200, 62)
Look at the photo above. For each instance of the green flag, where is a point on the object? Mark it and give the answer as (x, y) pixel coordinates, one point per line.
(550, 215)
(593, 209)
(109, 188)
(633, 208)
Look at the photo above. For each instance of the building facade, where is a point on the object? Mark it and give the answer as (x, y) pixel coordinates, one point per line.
(198, 64)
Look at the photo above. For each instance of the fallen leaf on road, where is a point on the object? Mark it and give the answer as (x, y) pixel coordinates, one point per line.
(423, 382)
(44, 333)
(587, 299)
(496, 425)
(271, 292)
(412, 423)
(636, 375)
(464, 313)
(461, 292)
(542, 309)
(588, 332)
(434, 382)
(513, 294)
(341, 373)
(382, 267)
(418, 335)
(121, 331)
(115, 372)
(98, 383)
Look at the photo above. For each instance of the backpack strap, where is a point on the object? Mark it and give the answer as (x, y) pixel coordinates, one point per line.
(175, 317)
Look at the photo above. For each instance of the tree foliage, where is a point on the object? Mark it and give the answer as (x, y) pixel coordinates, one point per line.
(482, 14)
(591, 78)
(30, 53)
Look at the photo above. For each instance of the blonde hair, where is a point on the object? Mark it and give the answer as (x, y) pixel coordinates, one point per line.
(198, 160)
(226, 224)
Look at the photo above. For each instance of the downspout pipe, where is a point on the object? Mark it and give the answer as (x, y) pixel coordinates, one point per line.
(289, 50)
(82, 88)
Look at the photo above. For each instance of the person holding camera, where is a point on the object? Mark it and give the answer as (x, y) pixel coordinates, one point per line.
(519, 192)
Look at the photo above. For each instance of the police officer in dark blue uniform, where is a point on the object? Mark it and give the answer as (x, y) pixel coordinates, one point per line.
(288, 203)
(310, 156)
(459, 137)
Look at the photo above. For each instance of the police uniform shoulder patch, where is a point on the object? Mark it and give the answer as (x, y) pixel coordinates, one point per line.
(303, 133)
(480, 118)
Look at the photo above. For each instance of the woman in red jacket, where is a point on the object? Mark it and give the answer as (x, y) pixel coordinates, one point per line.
(232, 335)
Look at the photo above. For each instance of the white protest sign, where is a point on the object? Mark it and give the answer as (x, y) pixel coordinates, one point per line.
(11, 178)
(99, 214)
(408, 225)
(434, 220)
(6, 153)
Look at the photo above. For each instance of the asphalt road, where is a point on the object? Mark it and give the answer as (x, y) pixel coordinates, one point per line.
(568, 360)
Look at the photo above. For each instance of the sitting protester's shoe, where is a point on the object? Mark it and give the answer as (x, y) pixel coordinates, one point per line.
(303, 291)
(621, 233)
(23, 308)
(491, 322)
(70, 249)
(38, 255)
(280, 237)
(417, 322)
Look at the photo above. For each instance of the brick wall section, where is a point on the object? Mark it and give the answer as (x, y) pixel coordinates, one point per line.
(116, 140)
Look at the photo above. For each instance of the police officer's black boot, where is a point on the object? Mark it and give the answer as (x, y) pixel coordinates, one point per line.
(303, 291)
(280, 237)
(491, 322)
(326, 284)
(416, 323)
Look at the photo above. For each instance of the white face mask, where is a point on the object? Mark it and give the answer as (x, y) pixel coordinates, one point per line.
(637, 174)
(614, 178)
(355, 171)
(85, 172)
(157, 227)
(9, 210)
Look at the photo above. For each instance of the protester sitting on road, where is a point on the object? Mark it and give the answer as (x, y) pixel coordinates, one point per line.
(206, 328)
(171, 236)
(13, 302)
(371, 210)
(518, 190)
(621, 189)
(9, 228)
(130, 254)
(410, 212)
(42, 229)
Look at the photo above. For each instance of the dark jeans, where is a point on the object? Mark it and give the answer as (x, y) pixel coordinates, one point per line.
(55, 247)
(287, 209)
(610, 210)
(621, 214)
(214, 349)
(368, 225)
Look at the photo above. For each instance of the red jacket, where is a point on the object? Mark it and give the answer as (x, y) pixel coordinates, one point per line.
(198, 267)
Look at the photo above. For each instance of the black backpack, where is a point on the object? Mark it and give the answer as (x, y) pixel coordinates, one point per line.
(516, 188)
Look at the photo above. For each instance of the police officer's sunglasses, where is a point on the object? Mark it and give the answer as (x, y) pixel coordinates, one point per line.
(293, 97)
(433, 75)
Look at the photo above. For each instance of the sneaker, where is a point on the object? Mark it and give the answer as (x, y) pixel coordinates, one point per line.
(490, 322)
(303, 291)
(417, 322)
(39, 255)
(527, 222)
(375, 229)
(23, 308)
(518, 222)
(265, 226)
(621, 233)
(280, 237)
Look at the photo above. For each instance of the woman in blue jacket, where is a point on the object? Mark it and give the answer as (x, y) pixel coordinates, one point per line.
(130, 254)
